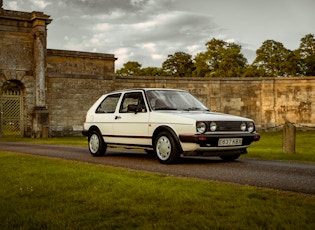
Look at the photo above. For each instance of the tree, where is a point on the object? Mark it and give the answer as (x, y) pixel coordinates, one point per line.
(151, 71)
(273, 60)
(131, 68)
(306, 54)
(222, 59)
(251, 71)
(202, 68)
(180, 64)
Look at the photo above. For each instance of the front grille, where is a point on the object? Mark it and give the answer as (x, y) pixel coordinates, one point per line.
(228, 125)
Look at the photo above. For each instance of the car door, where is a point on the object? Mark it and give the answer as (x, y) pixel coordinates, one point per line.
(105, 115)
(131, 120)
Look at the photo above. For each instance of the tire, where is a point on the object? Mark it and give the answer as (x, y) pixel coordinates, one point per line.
(166, 148)
(97, 146)
(230, 158)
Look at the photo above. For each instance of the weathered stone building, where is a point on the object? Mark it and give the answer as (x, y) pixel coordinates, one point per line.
(49, 91)
(31, 77)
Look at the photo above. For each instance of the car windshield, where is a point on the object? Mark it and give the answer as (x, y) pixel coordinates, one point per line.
(173, 100)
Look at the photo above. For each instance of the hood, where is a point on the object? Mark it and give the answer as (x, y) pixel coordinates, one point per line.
(206, 116)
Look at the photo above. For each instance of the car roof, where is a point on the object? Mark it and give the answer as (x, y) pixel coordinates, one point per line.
(143, 89)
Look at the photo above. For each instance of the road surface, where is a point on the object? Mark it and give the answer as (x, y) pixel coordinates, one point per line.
(289, 176)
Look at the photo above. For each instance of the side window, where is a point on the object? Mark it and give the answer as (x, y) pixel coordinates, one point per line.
(132, 102)
(109, 104)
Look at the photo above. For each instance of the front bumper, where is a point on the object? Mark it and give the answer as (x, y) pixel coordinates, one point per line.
(210, 142)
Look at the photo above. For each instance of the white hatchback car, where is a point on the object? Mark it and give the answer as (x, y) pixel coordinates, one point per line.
(168, 122)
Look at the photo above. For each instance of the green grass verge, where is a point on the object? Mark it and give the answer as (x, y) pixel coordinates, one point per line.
(43, 193)
(75, 140)
(269, 147)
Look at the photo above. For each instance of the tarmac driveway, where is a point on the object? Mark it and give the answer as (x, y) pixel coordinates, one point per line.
(297, 177)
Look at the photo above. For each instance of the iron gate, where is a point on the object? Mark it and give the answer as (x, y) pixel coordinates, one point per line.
(12, 114)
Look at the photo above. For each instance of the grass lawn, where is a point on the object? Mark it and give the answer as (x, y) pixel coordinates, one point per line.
(44, 193)
(269, 147)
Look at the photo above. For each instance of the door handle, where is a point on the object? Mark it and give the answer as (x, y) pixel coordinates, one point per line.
(117, 117)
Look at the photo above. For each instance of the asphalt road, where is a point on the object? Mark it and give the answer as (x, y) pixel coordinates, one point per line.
(289, 176)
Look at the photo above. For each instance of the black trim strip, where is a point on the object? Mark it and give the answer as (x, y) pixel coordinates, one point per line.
(129, 145)
(124, 136)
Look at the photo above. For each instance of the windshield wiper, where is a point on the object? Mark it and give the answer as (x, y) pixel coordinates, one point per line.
(192, 109)
(195, 109)
(165, 108)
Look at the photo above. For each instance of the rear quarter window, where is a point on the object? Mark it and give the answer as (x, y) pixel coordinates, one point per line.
(109, 104)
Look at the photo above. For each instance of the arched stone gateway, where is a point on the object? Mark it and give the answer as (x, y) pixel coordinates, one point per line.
(12, 115)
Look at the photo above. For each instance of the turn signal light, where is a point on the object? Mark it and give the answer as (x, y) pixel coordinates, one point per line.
(256, 137)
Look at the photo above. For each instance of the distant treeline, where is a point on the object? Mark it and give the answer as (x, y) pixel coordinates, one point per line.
(224, 59)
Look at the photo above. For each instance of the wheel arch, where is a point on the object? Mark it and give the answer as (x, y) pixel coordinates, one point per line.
(93, 128)
(168, 129)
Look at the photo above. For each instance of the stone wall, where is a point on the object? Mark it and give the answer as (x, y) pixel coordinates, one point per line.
(74, 80)
(269, 101)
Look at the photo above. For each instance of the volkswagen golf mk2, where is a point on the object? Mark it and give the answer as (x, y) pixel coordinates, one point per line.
(168, 122)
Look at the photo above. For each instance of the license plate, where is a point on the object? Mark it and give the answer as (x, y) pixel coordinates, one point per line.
(230, 141)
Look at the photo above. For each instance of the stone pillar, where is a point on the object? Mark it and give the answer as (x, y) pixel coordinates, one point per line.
(41, 113)
(40, 122)
(288, 138)
(39, 70)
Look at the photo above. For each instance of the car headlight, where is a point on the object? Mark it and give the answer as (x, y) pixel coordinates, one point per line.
(213, 126)
(250, 127)
(243, 126)
(201, 127)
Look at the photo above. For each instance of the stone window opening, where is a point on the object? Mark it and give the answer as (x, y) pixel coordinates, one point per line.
(12, 87)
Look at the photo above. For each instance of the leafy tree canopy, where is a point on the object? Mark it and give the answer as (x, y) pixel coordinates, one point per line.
(306, 55)
(151, 71)
(131, 68)
(179, 64)
(273, 60)
(222, 59)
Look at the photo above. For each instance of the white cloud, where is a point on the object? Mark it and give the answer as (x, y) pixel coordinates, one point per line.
(144, 25)
(12, 5)
(124, 55)
(96, 40)
(41, 3)
(102, 27)
(151, 47)
(230, 40)
(194, 49)
(158, 57)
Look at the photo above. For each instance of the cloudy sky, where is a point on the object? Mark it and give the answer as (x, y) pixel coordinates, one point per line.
(147, 31)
